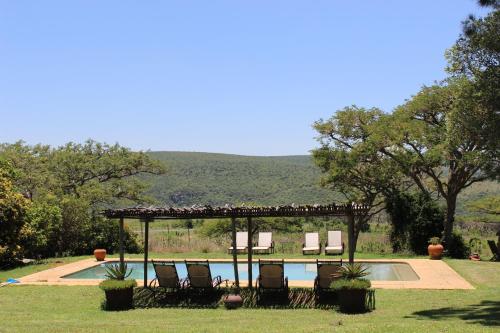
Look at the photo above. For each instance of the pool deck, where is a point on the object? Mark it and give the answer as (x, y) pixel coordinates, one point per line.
(433, 274)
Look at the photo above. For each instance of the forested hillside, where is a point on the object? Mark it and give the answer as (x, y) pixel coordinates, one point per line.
(217, 179)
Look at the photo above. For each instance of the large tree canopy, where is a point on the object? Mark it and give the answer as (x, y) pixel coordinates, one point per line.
(352, 165)
(64, 188)
(442, 139)
(12, 215)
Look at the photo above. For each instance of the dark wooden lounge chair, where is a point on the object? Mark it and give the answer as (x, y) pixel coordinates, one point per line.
(494, 250)
(200, 278)
(271, 277)
(166, 278)
(328, 271)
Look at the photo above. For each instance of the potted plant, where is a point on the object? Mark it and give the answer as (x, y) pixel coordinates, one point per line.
(100, 254)
(233, 299)
(475, 246)
(119, 291)
(352, 294)
(435, 248)
(352, 288)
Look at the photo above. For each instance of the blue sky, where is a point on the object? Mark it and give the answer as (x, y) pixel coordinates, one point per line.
(243, 77)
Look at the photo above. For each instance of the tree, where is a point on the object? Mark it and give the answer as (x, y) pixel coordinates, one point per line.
(12, 216)
(442, 140)
(32, 177)
(100, 173)
(351, 165)
(476, 58)
(489, 3)
(68, 186)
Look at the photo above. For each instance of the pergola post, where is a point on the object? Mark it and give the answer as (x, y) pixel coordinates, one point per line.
(146, 251)
(234, 252)
(350, 232)
(121, 247)
(250, 250)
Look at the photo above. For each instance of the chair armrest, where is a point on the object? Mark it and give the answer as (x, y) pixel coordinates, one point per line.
(152, 282)
(184, 282)
(217, 281)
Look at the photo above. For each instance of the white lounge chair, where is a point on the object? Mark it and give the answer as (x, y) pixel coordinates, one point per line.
(241, 242)
(265, 243)
(334, 244)
(311, 245)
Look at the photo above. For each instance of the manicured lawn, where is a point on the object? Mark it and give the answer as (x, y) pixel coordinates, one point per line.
(77, 309)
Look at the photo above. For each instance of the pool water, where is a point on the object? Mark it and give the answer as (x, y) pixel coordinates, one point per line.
(380, 271)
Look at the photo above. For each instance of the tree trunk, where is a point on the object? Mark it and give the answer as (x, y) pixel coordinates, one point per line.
(451, 205)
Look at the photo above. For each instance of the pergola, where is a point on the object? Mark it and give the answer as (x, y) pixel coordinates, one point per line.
(149, 214)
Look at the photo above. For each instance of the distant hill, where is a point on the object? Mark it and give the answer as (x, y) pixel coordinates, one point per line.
(217, 179)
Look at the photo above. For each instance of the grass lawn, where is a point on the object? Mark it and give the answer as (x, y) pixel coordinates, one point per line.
(77, 309)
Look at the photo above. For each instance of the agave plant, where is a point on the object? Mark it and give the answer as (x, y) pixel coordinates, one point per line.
(354, 271)
(118, 272)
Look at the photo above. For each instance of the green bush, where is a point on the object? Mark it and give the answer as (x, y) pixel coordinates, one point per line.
(13, 208)
(415, 218)
(108, 285)
(457, 248)
(44, 220)
(354, 284)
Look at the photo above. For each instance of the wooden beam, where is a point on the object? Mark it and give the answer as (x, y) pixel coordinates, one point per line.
(350, 234)
(121, 247)
(235, 254)
(146, 251)
(250, 246)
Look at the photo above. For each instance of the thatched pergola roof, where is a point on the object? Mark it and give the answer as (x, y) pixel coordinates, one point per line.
(203, 212)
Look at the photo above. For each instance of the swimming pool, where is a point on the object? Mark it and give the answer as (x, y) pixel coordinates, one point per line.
(296, 271)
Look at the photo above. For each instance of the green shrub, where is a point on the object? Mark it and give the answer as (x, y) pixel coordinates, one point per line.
(415, 217)
(354, 284)
(435, 240)
(108, 285)
(457, 248)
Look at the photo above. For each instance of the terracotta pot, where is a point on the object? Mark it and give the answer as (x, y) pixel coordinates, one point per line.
(232, 301)
(100, 254)
(435, 251)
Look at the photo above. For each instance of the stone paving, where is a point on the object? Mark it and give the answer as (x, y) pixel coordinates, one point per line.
(433, 274)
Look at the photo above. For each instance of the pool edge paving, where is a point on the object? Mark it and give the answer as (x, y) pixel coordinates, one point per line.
(433, 274)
